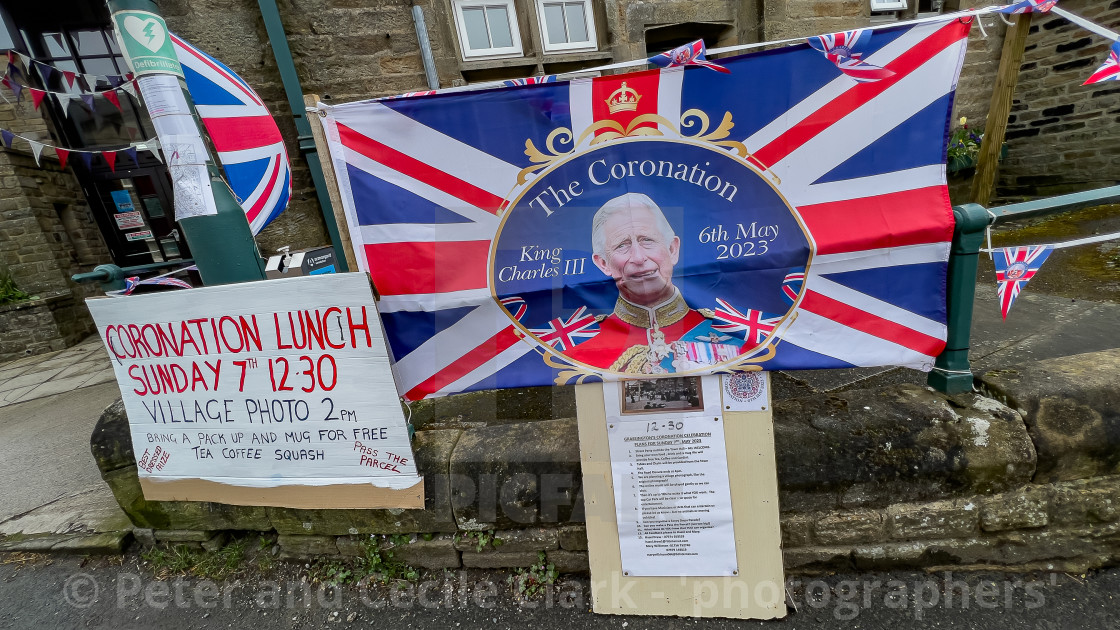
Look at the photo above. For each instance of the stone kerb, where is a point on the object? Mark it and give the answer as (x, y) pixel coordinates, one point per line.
(896, 476)
(1071, 407)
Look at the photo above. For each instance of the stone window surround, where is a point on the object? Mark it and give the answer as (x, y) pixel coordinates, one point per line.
(531, 39)
(589, 22)
(516, 50)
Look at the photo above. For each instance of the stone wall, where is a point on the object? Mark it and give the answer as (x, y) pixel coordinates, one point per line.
(47, 323)
(233, 32)
(47, 234)
(1062, 135)
(1025, 477)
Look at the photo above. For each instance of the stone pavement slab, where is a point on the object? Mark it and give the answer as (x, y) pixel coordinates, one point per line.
(88, 521)
(44, 447)
(1040, 327)
(29, 378)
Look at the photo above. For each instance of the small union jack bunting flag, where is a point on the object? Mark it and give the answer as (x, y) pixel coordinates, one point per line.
(1110, 71)
(1028, 6)
(548, 78)
(693, 54)
(1015, 266)
(843, 49)
(130, 284)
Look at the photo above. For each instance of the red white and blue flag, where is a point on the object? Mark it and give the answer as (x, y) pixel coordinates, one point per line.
(691, 54)
(755, 326)
(845, 49)
(548, 78)
(1110, 70)
(131, 283)
(434, 186)
(1015, 266)
(565, 334)
(249, 145)
(1028, 6)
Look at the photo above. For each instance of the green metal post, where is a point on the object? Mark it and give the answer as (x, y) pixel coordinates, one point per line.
(952, 373)
(294, 91)
(222, 244)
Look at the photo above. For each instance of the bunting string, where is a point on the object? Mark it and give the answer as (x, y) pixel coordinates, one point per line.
(128, 88)
(13, 74)
(115, 81)
(968, 14)
(1081, 241)
(86, 155)
(1017, 265)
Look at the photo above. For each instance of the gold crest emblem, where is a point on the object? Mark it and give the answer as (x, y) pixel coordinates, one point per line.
(624, 99)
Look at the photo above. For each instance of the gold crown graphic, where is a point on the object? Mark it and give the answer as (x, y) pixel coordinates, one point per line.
(624, 99)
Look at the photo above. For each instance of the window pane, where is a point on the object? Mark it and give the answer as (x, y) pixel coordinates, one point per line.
(474, 19)
(498, 19)
(6, 41)
(101, 67)
(56, 45)
(554, 24)
(59, 81)
(90, 42)
(576, 21)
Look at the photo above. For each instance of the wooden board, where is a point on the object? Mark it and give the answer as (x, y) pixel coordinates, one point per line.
(319, 135)
(336, 497)
(224, 403)
(756, 593)
(1003, 94)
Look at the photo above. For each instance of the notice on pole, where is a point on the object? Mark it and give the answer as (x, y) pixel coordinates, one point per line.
(261, 384)
(182, 145)
(669, 465)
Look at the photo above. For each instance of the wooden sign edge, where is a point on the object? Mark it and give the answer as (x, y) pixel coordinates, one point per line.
(334, 496)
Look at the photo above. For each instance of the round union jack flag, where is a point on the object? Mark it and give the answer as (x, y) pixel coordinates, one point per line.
(249, 145)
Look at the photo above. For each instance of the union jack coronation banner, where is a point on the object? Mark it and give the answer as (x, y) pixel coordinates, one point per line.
(249, 145)
(784, 215)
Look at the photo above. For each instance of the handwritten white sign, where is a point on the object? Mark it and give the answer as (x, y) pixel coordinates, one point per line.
(260, 384)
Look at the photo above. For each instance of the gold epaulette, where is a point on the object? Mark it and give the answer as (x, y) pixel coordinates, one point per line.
(707, 313)
(600, 318)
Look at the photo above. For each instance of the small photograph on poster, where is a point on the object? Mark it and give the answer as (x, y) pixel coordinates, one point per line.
(680, 394)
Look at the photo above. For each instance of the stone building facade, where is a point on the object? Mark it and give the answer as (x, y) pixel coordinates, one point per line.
(1061, 135)
(345, 50)
(46, 234)
(354, 49)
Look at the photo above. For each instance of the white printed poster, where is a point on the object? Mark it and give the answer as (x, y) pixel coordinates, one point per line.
(669, 465)
(182, 145)
(260, 384)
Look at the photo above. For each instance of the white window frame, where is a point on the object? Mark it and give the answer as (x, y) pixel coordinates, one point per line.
(888, 5)
(589, 19)
(488, 53)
